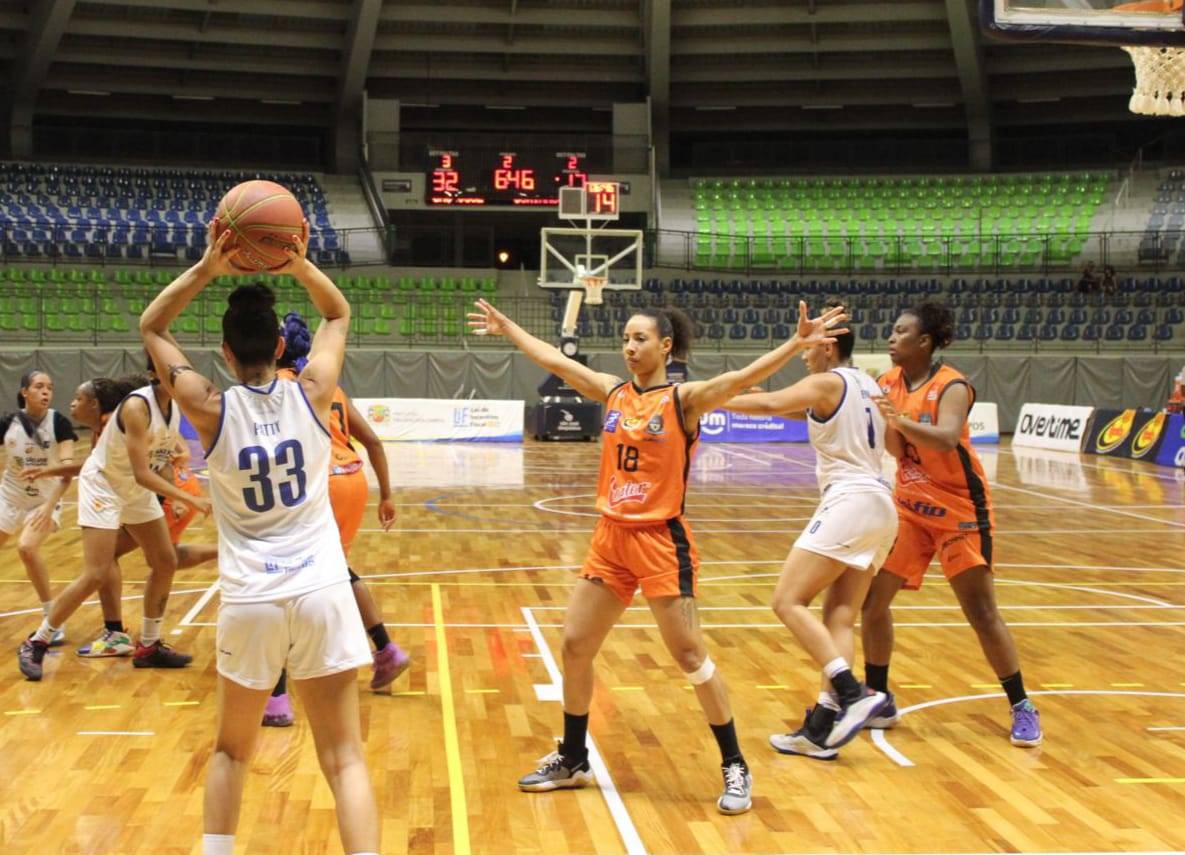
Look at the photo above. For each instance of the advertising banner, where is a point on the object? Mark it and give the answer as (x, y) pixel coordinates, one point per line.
(984, 422)
(723, 426)
(1056, 426)
(1172, 445)
(1126, 433)
(442, 419)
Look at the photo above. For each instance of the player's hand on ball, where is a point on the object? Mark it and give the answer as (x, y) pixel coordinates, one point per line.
(487, 321)
(220, 251)
(297, 253)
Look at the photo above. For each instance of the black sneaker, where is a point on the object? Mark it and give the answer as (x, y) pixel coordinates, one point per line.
(29, 656)
(810, 739)
(557, 772)
(159, 655)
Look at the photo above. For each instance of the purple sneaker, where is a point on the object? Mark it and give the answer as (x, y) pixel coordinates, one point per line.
(278, 712)
(389, 663)
(1026, 725)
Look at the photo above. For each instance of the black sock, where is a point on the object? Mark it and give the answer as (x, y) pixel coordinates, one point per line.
(726, 738)
(819, 722)
(378, 634)
(877, 677)
(114, 626)
(281, 685)
(575, 730)
(847, 687)
(1015, 687)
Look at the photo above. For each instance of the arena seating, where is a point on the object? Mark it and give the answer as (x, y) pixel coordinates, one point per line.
(1162, 239)
(122, 213)
(877, 222)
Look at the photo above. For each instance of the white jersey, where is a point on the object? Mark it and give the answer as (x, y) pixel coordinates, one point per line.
(110, 454)
(29, 444)
(850, 444)
(269, 484)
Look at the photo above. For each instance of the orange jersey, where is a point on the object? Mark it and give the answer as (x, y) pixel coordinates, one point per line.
(344, 459)
(646, 452)
(940, 489)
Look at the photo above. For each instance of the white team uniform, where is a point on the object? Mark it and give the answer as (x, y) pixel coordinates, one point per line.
(856, 522)
(108, 495)
(286, 596)
(26, 445)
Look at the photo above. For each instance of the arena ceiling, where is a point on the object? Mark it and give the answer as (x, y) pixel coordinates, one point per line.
(758, 64)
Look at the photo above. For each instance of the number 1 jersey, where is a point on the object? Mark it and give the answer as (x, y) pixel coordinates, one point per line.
(646, 452)
(269, 484)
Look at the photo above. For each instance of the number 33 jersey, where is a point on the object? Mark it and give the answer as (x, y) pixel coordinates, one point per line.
(269, 480)
(646, 453)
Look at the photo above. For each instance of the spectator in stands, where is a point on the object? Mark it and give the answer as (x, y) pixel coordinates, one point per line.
(1108, 285)
(1089, 283)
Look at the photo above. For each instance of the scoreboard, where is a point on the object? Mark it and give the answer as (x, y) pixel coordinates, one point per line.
(506, 178)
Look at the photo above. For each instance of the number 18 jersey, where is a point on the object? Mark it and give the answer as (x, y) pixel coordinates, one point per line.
(269, 484)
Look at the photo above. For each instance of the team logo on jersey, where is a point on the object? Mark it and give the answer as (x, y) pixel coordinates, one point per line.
(654, 426)
(1116, 431)
(924, 419)
(378, 413)
(611, 421)
(1146, 438)
(932, 395)
(631, 423)
(630, 491)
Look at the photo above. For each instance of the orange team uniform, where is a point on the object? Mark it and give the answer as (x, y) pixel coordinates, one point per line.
(348, 490)
(943, 501)
(641, 539)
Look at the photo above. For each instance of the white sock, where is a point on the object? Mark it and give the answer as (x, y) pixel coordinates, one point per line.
(218, 844)
(45, 632)
(836, 666)
(827, 700)
(45, 607)
(150, 630)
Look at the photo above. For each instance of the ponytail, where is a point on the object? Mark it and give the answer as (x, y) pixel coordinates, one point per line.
(674, 324)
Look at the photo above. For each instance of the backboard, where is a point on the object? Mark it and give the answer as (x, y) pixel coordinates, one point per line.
(566, 254)
(1158, 23)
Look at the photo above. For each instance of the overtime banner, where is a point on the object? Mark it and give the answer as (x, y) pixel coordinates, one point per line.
(984, 422)
(1055, 426)
(1172, 444)
(724, 426)
(442, 419)
(1127, 433)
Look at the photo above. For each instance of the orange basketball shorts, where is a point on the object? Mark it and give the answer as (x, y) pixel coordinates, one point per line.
(178, 515)
(958, 550)
(348, 495)
(661, 559)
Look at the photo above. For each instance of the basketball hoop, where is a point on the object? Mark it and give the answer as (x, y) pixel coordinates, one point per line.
(1160, 81)
(594, 287)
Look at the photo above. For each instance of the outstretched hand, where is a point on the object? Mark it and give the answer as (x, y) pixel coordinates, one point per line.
(487, 321)
(823, 329)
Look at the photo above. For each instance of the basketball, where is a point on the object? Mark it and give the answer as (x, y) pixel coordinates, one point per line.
(263, 216)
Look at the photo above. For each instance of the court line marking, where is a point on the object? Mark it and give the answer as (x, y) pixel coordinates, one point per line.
(22, 712)
(452, 751)
(102, 707)
(1081, 504)
(613, 801)
(1162, 729)
(37, 610)
(881, 741)
(1150, 780)
(117, 733)
(199, 605)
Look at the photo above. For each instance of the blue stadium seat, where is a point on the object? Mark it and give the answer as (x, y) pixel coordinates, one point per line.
(1163, 332)
(1069, 332)
(1026, 332)
(1137, 332)
(1091, 332)
(715, 331)
(759, 331)
(781, 332)
(737, 332)
(1115, 332)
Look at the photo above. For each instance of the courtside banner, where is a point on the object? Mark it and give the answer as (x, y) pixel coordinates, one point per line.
(1172, 446)
(723, 426)
(1126, 433)
(1057, 426)
(442, 420)
(984, 422)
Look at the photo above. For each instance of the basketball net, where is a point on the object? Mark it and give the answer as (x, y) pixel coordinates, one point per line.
(594, 287)
(1160, 81)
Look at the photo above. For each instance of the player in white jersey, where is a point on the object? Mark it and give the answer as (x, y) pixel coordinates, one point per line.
(34, 437)
(117, 488)
(286, 597)
(846, 541)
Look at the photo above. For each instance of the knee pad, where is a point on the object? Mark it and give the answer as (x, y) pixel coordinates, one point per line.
(703, 673)
(354, 577)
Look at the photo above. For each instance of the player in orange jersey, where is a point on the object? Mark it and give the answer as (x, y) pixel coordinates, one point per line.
(944, 506)
(642, 539)
(348, 495)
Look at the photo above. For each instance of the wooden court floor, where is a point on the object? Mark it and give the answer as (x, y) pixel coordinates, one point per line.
(99, 758)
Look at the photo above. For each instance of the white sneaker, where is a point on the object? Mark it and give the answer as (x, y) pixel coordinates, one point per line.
(854, 716)
(738, 790)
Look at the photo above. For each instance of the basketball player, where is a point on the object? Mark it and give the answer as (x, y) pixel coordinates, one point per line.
(34, 437)
(642, 539)
(117, 489)
(286, 599)
(845, 542)
(348, 494)
(945, 507)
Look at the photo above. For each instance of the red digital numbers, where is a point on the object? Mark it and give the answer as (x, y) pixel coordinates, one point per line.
(603, 196)
(510, 177)
(445, 179)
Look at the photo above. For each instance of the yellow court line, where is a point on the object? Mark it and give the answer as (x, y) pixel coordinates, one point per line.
(1150, 780)
(915, 685)
(21, 712)
(181, 703)
(102, 707)
(774, 686)
(625, 688)
(482, 691)
(397, 694)
(456, 780)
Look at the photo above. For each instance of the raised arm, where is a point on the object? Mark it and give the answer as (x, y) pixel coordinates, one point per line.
(703, 396)
(591, 384)
(135, 417)
(953, 409)
(820, 392)
(198, 398)
(360, 430)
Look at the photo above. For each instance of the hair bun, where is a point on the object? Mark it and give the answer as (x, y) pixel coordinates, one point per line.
(255, 297)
